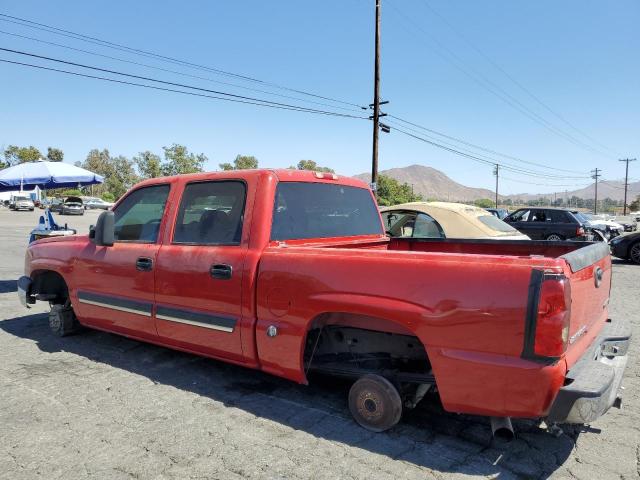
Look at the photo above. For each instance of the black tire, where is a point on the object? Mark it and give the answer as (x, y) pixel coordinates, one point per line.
(554, 237)
(634, 253)
(62, 320)
(375, 403)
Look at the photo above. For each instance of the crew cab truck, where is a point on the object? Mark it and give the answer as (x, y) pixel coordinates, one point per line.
(290, 272)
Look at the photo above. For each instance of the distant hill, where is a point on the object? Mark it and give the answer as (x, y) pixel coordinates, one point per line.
(433, 184)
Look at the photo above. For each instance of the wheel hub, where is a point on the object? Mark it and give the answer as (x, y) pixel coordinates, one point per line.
(370, 406)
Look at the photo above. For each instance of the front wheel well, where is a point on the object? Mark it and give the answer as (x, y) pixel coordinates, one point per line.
(49, 286)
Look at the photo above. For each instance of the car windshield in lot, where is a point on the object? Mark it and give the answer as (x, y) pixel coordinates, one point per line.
(319, 210)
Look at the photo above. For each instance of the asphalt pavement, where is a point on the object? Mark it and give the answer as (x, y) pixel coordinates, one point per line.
(97, 405)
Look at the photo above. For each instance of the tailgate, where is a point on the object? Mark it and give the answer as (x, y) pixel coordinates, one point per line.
(589, 272)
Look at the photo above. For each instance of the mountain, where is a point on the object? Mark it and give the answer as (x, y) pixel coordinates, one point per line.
(606, 189)
(432, 184)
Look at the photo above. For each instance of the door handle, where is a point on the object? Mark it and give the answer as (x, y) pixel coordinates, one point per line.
(221, 271)
(144, 264)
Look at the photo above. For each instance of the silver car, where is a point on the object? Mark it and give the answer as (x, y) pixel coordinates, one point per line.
(23, 203)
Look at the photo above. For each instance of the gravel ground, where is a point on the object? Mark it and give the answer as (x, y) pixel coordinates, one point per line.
(102, 406)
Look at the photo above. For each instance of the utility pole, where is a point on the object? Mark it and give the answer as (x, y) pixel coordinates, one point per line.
(376, 102)
(496, 172)
(595, 176)
(626, 183)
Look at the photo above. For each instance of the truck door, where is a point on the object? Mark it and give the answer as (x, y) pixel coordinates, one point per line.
(199, 270)
(115, 285)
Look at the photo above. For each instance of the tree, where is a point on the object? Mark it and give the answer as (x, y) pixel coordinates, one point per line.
(312, 165)
(54, 154)
(484, 203)
(241, 162)
(149, 164)
(14, 155)
(178, 160)
(122, 177)
(635, 205)
(391, 192)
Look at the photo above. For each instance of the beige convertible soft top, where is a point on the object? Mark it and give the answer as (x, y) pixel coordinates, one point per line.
(462, 221)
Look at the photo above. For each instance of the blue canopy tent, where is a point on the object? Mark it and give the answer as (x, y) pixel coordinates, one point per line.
(46, 176)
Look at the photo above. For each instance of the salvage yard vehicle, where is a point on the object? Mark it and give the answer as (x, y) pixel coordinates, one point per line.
(21, 202)
(445, 220)
(626, 247)
(72, 206)
(550, 224)
(290, 272)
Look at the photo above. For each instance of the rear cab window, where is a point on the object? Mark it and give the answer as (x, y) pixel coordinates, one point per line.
(305, 210)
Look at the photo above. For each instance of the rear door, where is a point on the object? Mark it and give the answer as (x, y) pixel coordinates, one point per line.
(200, 268)
(538, 224)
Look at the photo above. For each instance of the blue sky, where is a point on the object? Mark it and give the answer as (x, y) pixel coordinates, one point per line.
(579, 57)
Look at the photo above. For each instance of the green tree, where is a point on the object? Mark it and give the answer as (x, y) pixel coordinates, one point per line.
(14, 155)
(55, 154)
(123, 176)
(179, 161)
(391, 192)
(635, 205)
(485, 203)
(241, 162)
(108, 197)
(149, 164)
(312, 165)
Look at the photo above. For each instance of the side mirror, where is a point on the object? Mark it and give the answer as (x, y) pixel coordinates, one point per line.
(103, 234)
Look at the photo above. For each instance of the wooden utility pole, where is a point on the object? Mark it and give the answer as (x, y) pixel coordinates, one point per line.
(626, 183)
(595, 176)
(376, 102)
(496, 172)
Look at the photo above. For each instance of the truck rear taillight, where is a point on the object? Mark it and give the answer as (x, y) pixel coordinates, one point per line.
(552, 322)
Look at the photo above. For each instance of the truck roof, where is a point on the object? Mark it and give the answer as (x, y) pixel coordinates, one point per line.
(282, 175)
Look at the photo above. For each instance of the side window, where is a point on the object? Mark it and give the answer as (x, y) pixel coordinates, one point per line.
(137, 218)
(211, 213)
(426, 227)
(521, 216)
(560, 216)
(399, 223)
(538, 216)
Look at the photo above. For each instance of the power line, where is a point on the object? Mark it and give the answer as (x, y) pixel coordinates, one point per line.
(132, 62)
(153, 87)
(496, 90)
(105, 43)
(484, 149)
(488, 160)
(174, 84)
(512, 79)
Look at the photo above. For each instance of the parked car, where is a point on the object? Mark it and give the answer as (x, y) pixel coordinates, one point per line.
(72, 206)
(290, 272)
(626, 247)
(549, 224)
(55, 205)
(445, 220)
(21, 202)
(501, 213)
(609, 228)
(629, 225)
(91, 203)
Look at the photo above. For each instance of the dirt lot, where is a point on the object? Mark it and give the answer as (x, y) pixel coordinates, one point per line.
(102, 406)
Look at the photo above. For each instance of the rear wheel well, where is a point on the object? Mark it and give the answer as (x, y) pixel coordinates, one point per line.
(351, 346)
(49, 286)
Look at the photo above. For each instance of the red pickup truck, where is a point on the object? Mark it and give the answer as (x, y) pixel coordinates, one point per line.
(291, 271)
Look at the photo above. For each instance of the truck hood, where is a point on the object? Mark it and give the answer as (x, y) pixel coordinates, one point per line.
(67, 238)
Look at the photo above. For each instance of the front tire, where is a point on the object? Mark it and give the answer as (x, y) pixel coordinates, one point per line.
(634, 253)
(62, 320)
(375, 403)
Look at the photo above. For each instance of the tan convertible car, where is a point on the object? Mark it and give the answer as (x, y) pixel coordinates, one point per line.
(446, 220)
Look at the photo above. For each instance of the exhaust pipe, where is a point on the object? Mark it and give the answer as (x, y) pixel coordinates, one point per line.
(502, 429)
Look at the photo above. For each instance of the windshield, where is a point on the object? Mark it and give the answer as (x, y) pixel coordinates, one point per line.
(320, 210)
(494, 223)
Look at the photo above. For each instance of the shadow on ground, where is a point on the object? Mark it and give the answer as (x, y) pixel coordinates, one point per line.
(8, 286)
(427, 436)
